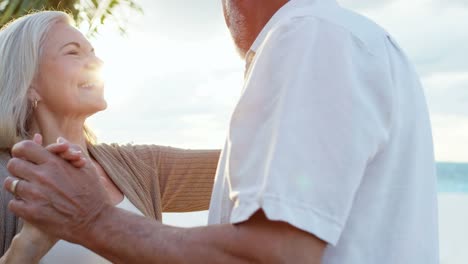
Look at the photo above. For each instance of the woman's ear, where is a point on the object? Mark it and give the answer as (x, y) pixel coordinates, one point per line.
(33, 95)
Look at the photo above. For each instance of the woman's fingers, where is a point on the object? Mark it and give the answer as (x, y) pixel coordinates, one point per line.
(37, 139)
(66, 151)
(75, 156)
(58, 148)
(69, 152)
(79, 163)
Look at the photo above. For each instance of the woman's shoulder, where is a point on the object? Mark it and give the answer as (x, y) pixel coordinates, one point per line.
(128, 149)
(9, 223)
(103, 147)
(130, 155)
(112, 149)
(151, 153)
(4, 158)
(143, 158)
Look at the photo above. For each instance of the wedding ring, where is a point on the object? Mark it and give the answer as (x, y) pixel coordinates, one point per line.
(13, 186)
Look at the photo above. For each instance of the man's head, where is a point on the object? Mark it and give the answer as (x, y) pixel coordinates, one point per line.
(246, 18)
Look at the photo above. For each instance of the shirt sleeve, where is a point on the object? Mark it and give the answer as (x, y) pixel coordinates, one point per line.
(185, 176)
(305, 129)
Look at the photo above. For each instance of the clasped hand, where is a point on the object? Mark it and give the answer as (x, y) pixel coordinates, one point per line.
(58, 193)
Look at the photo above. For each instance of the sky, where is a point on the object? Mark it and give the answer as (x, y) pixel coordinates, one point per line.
(175, 78)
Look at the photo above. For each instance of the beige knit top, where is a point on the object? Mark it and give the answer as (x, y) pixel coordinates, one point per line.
(154, 178)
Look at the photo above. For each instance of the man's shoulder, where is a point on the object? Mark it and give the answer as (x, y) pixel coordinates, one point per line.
(338, 19)
(357, 24)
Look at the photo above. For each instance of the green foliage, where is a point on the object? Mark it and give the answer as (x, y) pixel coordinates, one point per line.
(91, 13)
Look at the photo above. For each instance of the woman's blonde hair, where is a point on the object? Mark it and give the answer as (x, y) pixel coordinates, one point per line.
(21, 43)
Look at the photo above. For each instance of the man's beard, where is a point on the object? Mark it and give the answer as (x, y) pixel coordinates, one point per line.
(238, 26)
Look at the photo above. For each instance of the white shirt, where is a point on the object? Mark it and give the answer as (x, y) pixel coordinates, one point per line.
(332, 135)
(69, 253)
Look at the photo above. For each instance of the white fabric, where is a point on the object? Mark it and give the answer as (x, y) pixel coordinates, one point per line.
(69, 253)
(332, 135)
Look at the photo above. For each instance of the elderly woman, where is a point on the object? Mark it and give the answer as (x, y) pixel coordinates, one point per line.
(49, 85)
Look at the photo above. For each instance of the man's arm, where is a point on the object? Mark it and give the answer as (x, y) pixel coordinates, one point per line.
(70, 203)
(257, 240)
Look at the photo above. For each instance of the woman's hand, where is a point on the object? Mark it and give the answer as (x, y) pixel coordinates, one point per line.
(36, 237)
(28, 246)
(67, 151)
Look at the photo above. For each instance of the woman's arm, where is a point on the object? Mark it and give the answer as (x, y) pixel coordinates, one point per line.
(186, 176)
(28, 246)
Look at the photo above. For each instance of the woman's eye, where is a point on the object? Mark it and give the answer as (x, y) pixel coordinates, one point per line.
(73, 52)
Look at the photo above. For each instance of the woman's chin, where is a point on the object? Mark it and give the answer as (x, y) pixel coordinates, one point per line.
(95, 108)
(103, 105)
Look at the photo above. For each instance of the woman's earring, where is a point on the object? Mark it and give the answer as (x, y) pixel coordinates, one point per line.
(35, 104)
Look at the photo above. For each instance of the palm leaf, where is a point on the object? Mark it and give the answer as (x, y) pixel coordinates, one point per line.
(9, 11)
(94, 13)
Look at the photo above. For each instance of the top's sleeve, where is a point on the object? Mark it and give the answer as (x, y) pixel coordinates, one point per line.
(8, 221)
(306, 127)
(185, 176)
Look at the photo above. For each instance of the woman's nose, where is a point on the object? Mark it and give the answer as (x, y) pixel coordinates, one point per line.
(95, 62)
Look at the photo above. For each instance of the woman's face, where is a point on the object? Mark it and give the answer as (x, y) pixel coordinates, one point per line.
(68, 81)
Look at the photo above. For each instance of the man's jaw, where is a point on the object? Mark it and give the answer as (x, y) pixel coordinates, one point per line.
(239, 28)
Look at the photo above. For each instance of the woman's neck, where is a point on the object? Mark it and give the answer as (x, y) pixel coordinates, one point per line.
(52, 127)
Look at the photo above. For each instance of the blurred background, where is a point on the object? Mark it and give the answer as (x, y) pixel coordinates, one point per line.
(173, 77)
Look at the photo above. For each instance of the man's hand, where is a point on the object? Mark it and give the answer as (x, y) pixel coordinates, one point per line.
(53, 194)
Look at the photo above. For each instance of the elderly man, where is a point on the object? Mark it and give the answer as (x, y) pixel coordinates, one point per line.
(328, 158)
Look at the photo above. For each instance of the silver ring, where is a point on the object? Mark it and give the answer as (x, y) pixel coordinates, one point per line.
(13, 186)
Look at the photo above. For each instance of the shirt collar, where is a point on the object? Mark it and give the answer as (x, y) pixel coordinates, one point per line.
(282, 13)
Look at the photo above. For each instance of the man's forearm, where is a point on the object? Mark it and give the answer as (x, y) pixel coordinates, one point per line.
(136, 238)
(123, 237)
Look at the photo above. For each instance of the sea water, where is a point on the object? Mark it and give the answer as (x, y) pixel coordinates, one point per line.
(452, 177)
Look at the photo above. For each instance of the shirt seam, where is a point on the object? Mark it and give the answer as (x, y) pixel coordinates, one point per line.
(329, 22)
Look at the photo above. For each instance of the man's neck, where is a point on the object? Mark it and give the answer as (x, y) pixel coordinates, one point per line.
(266, 12)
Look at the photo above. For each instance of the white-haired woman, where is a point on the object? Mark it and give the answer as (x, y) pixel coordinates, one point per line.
(50, 85)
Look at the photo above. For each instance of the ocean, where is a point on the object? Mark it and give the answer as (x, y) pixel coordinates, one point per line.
(452, 177)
